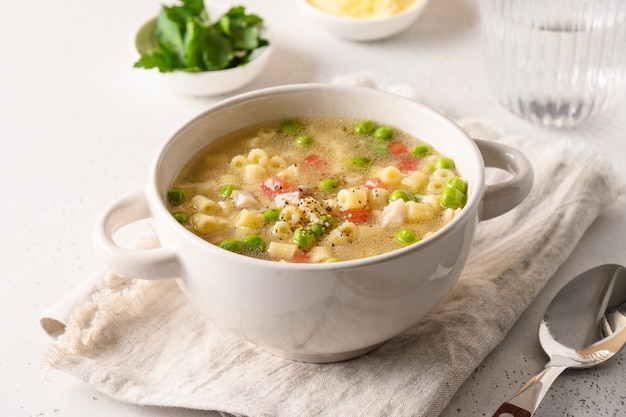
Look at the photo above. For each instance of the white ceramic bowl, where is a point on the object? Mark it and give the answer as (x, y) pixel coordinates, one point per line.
(206, 83)
(313, 312)
(361, 29)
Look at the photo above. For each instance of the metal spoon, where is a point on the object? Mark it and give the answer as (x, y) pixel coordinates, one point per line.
(584, 326)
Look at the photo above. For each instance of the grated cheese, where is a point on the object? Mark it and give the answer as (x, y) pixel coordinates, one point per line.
(362, 9)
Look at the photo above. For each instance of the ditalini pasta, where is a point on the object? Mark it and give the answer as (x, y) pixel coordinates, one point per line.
(317, 190)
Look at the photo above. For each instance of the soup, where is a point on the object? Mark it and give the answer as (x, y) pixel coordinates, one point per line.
(317, 190)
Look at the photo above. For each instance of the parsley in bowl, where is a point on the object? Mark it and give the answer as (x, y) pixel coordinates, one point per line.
(198, 50)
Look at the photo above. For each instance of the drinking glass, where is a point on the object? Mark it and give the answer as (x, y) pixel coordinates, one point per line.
(555, 62)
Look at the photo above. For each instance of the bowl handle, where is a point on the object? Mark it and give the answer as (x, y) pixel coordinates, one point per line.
(504, 196)
(157, 263)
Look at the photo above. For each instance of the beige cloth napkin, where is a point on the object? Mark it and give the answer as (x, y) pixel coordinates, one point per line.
(142, 342)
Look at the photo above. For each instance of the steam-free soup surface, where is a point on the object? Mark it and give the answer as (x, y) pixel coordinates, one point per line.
(317, 190)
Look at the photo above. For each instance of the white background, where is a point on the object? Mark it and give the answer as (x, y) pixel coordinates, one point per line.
(79, 126)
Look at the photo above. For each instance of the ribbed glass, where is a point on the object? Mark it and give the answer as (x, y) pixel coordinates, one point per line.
(555, 62)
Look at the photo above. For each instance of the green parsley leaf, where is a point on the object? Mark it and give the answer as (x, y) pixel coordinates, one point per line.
(184, 39)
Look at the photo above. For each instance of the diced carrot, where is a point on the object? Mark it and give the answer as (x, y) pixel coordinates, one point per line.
(356, 215)
(276, 185)
(374, 183)
(407, 164)
(301, 258)
(315, 161)
(397, 148)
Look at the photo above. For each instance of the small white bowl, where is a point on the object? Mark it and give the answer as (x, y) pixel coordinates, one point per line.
(364, 29)
(206, 83)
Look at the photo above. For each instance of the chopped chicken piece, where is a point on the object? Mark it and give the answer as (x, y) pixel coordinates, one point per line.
(244, 199)
(394, 214)
(284, 199)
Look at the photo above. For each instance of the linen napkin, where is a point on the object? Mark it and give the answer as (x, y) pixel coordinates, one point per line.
(142, 341)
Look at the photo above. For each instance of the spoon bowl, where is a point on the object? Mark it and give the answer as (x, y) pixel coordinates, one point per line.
(584, 326)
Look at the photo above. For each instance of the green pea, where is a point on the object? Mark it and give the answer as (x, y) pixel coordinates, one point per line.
(226, 190)
(328, 184)
(405, 236)
(400, 195)
(317, 230)
(378, 149)
(384, 133)
(327, 222)
(304, 238)
(452, 198)
(458, 183)
(176, 196)
(181, 217)
(255, 243)
(360, 162)
(271, 215)
(331, 260)
(290, 127)
(232, 245)
(364, 128)
(303, 141)
(420, 150)
(444, 162)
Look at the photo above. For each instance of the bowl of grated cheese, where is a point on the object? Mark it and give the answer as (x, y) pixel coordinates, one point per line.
(363, 20)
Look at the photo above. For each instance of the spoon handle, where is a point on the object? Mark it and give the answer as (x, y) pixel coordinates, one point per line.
(507, 409)
(527, 399)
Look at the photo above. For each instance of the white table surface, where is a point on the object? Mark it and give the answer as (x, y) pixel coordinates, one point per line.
(79, 126)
